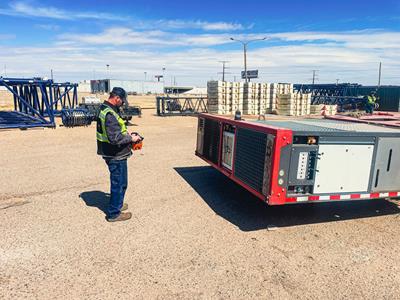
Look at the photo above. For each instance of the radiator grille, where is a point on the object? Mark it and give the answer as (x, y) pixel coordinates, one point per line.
(211, 140)
(250, 157)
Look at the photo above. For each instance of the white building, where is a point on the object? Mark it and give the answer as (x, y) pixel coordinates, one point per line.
(130, 86)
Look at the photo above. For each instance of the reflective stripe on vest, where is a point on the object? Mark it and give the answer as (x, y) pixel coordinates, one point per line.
(102, 136)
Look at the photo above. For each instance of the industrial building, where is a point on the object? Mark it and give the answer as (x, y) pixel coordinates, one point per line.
(131, 86)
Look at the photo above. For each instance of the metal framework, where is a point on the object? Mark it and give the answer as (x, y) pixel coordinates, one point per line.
(345, 95)
(64, 96)
(37, 101)
(181, 106)
(76, 117)
(32, 103)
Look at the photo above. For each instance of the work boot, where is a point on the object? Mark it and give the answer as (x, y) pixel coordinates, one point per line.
(122, 217)
(124, 207)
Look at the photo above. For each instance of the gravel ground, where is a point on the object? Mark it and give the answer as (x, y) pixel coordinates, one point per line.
(194, 234)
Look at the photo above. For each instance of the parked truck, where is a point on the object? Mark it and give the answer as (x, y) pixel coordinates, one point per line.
(303, 160)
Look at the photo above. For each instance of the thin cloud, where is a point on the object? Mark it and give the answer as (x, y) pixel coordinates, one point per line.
(365, 39)
(194, 66)
(351, 56)
(28, 9)
(207, 26)
(126, 36)
(25, 9)
(369, 39)
(49, 27)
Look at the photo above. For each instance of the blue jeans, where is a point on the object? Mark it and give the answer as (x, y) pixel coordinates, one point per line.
(369, 108)
(119, 183)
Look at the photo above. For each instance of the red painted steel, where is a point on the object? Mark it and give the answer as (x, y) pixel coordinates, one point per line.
(381, 118)
(277, 194)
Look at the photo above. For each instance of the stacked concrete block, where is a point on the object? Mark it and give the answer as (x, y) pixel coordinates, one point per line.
(286, 104)
(264, 100)
(217, 97)
(224, 97)
(256, 98)
(251, 95)
(305, 103)
(284, 88)
(293, 104)
(274, 88)
(236, 96)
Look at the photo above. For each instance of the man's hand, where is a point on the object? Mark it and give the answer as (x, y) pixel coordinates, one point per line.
(135, 137)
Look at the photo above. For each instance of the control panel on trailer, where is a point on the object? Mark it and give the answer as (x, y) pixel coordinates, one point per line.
(301, 160)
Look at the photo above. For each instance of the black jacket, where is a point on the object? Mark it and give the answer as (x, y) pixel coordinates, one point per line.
(120, 146)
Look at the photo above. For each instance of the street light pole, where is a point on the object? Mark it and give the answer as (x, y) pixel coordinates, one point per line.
(108, 70)
(245, 53)
(245, 61)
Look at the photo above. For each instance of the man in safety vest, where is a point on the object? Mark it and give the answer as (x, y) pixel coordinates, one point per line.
(371, 101)
(114, 143)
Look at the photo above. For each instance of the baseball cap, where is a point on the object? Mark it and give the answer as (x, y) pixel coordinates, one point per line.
(120, 92)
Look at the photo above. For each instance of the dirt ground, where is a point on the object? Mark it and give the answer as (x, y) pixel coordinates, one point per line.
(194, 233)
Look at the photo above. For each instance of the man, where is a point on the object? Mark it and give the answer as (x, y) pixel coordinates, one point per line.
(114, 143)
(371, 101)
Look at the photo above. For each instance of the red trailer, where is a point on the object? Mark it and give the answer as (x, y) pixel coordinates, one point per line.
(307, 160)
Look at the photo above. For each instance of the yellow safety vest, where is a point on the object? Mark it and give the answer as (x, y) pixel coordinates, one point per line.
(371, 99)
(102, 136)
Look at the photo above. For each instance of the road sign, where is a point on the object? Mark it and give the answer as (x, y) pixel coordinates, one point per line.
(250, 74)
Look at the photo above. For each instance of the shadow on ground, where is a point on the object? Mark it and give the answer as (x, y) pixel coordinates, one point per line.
(235, 204)
(96, 199)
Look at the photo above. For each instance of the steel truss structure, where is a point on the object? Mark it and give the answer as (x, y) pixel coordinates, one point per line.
(37, 101)
(346, 95)
(181, 106)
(64, 96)
(32, 103)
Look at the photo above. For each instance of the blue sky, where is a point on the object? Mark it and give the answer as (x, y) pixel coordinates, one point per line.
(343, 40)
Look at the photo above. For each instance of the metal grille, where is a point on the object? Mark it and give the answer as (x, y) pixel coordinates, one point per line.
(211, 140)
(250, 157)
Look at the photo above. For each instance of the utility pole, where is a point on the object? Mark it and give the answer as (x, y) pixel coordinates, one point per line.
(223, 68)
(337, 81)
(245, 61)
(145, 76)
(314, 76)
(380, 74)
(52, 77)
